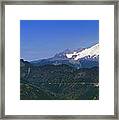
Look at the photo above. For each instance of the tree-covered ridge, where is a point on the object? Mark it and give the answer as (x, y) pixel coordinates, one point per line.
(58, 82)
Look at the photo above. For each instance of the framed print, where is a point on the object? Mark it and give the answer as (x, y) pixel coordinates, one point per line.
(59, 60)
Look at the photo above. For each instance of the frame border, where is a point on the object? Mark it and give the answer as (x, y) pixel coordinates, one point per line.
(2, 58)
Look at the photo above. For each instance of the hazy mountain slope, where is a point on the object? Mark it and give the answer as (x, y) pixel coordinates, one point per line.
(80, 58)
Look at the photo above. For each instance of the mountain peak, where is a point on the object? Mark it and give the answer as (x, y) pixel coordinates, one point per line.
(91, 52)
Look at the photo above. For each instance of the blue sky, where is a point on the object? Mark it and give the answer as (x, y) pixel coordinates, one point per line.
(41, 39)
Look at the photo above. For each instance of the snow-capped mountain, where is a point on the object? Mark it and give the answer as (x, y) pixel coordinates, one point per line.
(81, 58)
(91, 52)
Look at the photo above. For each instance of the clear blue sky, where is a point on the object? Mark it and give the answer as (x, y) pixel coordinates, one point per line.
(41, 39)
